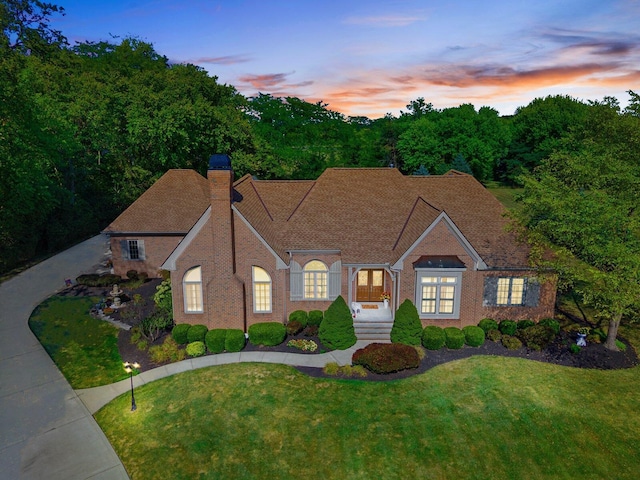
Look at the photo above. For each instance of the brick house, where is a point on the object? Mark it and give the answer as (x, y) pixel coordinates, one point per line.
(248, 251)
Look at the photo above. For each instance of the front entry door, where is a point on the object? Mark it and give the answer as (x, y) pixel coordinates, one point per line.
(370, 285)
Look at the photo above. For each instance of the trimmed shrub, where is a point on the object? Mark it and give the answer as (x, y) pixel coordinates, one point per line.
(179, 333)
(511, 343)
(294, 327)
(473, 336)
(299, 316)
(454, 338)
(214, 339)
(195, 349)
(336, 330)
(407, 327)
(522, 324)
(487, 324)
(267, 333)
(132, 274)
(197, 333)
(551, 323)
(95, 280)
(537, 337)
(575, 349)
(315, 317)
(386, 357)
(235, 340)
(508, 327)
(494, 335)
(433, 337)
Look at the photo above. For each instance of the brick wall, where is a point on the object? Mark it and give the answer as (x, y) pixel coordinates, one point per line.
(157, 249)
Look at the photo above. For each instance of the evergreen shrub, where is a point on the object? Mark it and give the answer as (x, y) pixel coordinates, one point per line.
(267, 333)
(299, 316)
(196, 333)
(487, 324)
(235, 340)
(494, 335)
(315, 317)
(433, 337)
(336, 330)
(195, 349)
(407, 327)
(95, 280)
(537, 337)
(508, 327)
(454, 338)
(523, 324)
(214, 339)
(179, 333)
(386, 357)
(551, 323)
(473, 336)
(511, 343)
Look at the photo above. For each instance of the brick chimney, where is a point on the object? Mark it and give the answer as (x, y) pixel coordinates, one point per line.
(225, 289)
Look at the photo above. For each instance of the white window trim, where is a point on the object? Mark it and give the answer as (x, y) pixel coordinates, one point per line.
(198, 284)
(255, 284)
(440, 272)
(315, 273)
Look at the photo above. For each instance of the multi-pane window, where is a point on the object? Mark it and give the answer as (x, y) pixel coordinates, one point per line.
(315, 280)
(192, 283)
(510, 291)
(261, 290)
(438, 295)
(134, 251)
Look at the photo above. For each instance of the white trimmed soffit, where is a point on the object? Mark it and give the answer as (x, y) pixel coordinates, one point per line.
(170, 262)
(280, 264)
(443, 217)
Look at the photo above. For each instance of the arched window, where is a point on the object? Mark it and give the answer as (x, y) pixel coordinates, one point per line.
(192, 286)
(315, 280)
(261, 290)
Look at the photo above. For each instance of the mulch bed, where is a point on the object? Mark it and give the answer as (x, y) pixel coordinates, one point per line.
(594, 355)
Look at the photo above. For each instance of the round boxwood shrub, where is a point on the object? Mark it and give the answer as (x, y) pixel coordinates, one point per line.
(267, 333)
(294, 327)
(454, 338)
(523, 324)
(386, 357)
(196, 333)
(315, 317)
(336, 330)
(179, 333)
(508, 327)
(511, 343)
(407, 327)
(299, 316)
(235, 340)
(551, 323)
(214, 340)
(494, 335)
(487, 324)
(473, 336)
(433, 337)
(195, 349)
(537, 337)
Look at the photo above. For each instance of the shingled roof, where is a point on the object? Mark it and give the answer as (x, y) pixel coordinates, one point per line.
(374, 215)
(172, 205)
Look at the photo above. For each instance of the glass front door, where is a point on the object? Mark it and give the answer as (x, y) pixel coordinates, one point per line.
(370, 285)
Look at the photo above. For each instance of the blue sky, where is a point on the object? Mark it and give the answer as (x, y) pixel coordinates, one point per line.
(373, 57)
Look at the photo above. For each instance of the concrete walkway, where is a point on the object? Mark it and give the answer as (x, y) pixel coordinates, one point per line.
(97, 397)
(46, 432)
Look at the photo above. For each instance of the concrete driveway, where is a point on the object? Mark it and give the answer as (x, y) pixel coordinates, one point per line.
(46, 432)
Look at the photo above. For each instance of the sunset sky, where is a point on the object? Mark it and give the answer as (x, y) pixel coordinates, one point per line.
(373, 57)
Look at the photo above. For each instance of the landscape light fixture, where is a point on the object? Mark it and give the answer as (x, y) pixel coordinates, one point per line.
(129, 368)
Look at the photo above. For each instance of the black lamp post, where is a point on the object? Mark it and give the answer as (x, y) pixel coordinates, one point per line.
(129, 367)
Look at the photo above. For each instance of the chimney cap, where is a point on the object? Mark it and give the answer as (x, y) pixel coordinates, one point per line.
(219, 162)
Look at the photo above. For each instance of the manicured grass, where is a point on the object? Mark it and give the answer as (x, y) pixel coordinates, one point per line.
(84, 349)
(506, 195)
(478, 418)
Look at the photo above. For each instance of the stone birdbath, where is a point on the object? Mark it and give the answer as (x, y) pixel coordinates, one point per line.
(115, 293)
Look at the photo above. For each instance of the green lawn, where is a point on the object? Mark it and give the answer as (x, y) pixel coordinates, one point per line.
(506, 195)
(84, 349)
(483, 417)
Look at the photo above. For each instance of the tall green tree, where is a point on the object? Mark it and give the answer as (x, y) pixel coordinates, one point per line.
(584, 204)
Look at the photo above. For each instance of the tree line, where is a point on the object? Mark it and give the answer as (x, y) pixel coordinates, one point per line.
(85, 129)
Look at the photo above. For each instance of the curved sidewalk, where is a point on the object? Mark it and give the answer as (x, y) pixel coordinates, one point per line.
(97, 397)
(46, 432)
